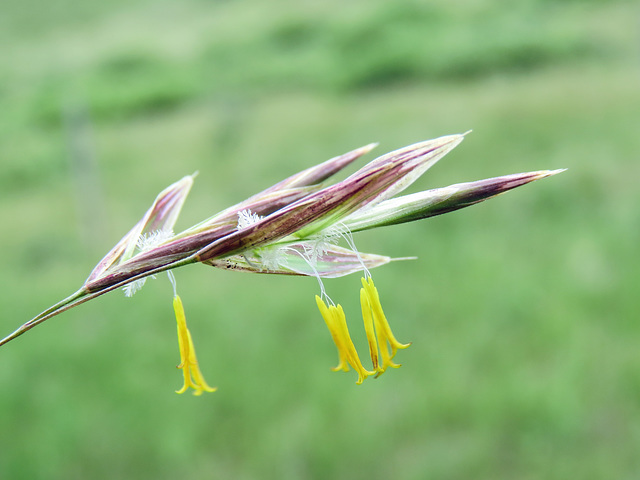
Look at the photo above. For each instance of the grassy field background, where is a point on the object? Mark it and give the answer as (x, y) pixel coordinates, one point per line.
(523, 311)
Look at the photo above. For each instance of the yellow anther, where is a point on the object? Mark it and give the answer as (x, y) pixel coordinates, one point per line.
(369, 330)
(188, 362)
(336, 322)
(371, 307)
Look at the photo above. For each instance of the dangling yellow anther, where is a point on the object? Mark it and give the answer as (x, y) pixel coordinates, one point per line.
(371, 307)
(336, 322)
(188, 362)
(369, 330)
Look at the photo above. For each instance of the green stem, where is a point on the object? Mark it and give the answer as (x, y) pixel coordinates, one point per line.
(59, 307)
(82, 296)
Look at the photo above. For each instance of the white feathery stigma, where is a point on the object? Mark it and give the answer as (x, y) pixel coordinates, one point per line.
(146, 242)
(247, 218)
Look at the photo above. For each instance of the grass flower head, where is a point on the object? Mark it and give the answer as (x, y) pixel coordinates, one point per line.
(294, 228)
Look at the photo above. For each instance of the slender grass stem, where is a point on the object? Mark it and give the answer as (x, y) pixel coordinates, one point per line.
(83, 295)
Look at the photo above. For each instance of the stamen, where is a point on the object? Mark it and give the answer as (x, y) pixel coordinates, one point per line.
(335, 319)
(172, 279)
(343, 231)
(312, 265)
(369, 330)
(370, 302)
(188, 362)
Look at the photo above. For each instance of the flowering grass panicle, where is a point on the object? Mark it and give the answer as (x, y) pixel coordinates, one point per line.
(294, 228)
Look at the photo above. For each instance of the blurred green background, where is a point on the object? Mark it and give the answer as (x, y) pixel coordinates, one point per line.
(523, 311)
